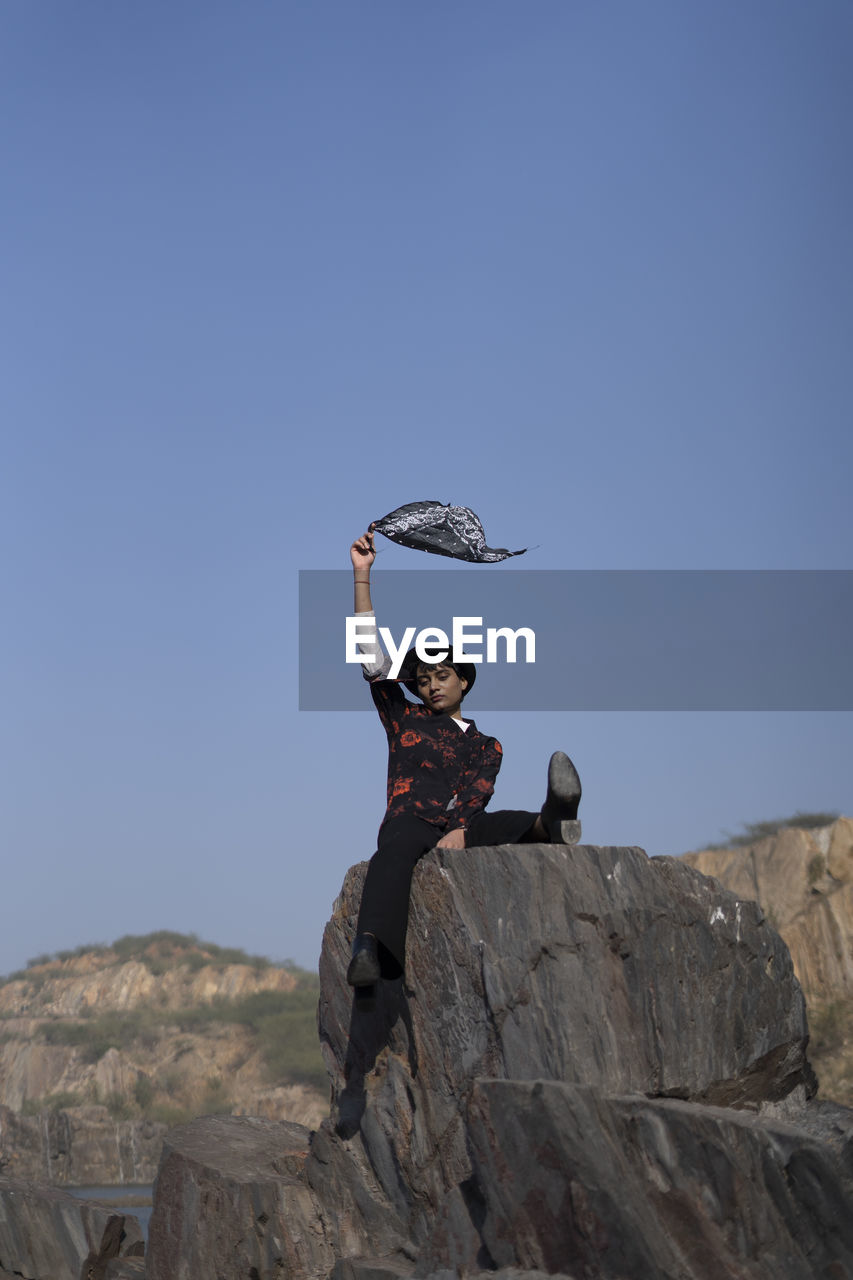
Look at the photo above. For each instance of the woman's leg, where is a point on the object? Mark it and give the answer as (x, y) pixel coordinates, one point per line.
(384, 910)
(556, 823)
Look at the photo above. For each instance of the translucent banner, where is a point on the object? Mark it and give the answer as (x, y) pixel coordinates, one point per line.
(603, 640)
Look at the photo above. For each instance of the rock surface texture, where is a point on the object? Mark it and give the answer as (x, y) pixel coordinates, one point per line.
(47, 1234)
(236, 1178)
(596, 1067)
(804, 881)
(83, 1146)
(77, 1109)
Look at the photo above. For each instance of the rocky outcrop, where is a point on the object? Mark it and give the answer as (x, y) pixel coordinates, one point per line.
(179, 1067)
(240, 1176)
(59, 990)
(75, 1107)
(594, 966)
(83, 1146)
(47, 1234)
(626, 1186)
(598, 1069)
(804, 881)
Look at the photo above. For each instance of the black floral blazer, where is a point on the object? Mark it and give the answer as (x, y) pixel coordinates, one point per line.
(436, 770)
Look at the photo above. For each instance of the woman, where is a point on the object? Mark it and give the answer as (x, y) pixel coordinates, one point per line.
(441, 775)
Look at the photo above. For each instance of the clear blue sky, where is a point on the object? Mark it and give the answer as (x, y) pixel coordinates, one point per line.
(271, 270)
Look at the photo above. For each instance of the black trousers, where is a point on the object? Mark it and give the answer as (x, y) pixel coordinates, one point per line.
(402, 841)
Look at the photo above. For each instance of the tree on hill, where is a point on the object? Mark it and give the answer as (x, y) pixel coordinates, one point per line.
(752, 832)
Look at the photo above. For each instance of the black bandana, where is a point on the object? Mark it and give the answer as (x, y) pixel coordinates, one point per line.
(441, 529)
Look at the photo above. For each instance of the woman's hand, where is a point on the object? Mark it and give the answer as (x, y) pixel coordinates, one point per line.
(452, 839)
(362, 552)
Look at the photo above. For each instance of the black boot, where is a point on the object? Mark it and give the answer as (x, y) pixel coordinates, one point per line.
(560, 810)
(363, 969)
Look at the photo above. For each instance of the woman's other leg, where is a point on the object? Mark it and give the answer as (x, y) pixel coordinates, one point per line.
(556, 823)
(384, 910)
(505, 826)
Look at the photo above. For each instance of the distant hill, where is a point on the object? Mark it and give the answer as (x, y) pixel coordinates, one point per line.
(144, 1033)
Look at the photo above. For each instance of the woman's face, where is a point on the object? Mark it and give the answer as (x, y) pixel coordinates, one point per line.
(440, 688)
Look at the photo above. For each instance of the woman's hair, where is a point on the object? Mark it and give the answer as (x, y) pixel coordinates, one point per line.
(412, 665)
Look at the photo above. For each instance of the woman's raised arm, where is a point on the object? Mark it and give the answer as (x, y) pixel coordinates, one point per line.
(362, 553)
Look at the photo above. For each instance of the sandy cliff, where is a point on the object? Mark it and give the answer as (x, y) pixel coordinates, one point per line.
(804, 882)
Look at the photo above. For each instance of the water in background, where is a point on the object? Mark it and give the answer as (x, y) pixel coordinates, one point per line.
(132, 1200)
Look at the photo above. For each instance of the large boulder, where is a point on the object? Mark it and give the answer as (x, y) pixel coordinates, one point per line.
(647, 1016)
(229, 1201)
(594, 966)
(567, 1178)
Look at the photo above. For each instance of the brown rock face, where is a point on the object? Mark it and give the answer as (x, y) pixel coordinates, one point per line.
(592, 966)
(49, 1235)
(627, 1186)
(804, 881)
(78, 1113)
(573, 1080)
(84, 1144)
(237, 1179)
(80, 1147)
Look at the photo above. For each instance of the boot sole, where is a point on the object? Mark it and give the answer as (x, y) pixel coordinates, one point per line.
(566, 832)
(564, 793)
(564, 783)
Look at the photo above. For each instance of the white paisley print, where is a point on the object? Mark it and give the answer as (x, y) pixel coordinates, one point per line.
(441, 529)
